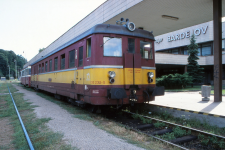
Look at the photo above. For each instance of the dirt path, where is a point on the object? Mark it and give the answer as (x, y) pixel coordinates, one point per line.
(79, 133)
(6, 130)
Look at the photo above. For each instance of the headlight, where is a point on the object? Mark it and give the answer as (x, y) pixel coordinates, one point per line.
(111, 80)
(150, 74)
(131, 26)
(112, 74)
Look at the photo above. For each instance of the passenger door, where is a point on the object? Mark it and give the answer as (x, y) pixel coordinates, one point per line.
(80, 69)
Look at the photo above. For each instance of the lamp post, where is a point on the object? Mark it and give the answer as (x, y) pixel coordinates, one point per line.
(18, 71)
(15, 68)
(9, 72)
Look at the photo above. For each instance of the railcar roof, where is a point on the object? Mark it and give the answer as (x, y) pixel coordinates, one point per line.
(103, 28)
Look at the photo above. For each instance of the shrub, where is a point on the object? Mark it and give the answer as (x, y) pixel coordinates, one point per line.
(174, 81)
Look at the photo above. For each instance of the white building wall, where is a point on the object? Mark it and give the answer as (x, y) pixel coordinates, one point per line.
(178, 59)
(106, 11)
(170, 40)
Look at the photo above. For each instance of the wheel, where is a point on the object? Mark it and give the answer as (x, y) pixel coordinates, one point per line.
(94, 108)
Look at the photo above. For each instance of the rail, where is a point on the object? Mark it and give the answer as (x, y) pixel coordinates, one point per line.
(21, 122)
(184, 127)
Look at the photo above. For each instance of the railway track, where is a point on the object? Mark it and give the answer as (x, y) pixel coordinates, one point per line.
(21, 122)
(189, 140)
(186, 137)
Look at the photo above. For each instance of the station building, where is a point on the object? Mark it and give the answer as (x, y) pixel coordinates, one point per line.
(172, 52)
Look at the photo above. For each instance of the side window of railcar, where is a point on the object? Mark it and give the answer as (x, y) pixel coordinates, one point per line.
(39, 68)
(146, 50)
(50, 65)
(29, 71)
(56, 63)
(112, 46)
(62, 65)
(89, 47)
(71, 58)
(80, 56)
(46, 66)
(131, 45)
(42, 67)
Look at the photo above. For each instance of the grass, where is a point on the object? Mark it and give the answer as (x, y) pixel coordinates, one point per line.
(40, 135)
(223, 92)
(193, 123)
(109, 126)
(188, 88)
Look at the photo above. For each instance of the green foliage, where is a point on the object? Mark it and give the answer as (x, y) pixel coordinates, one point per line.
(203, 139)
(159, 124)
(135, 116)
(167, 136)
(174, 81)
(144, 120)
(165, 115)
(7, 58)
(41, 49)
(221, 144)
(193, 67)
(178, 132)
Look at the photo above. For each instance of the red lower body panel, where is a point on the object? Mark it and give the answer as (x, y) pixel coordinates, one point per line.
(95, 95)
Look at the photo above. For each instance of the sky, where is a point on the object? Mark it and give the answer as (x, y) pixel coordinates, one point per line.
(28, 25)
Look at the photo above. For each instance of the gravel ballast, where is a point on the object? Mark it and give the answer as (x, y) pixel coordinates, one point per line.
(79, 133)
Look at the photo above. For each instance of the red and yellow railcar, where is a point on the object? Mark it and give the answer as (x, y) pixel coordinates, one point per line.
(26, 76)
(106, 65)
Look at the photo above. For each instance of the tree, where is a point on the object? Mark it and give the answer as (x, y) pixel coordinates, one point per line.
(7, 59)
(193, 67)
(41, 49)
(3, 64)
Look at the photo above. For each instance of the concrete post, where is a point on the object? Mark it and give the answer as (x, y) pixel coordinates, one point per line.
(217, 25)
(9, 72)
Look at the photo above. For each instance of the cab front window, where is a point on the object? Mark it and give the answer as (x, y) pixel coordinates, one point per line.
(112, 46)
(146, 50)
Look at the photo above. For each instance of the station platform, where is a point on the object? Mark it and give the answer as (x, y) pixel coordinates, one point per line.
(190, 105)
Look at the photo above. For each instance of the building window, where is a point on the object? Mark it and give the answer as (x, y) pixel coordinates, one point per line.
(199, 51)
(131, 45)
(206, 49)
(50, 65)
(146, 50)
(42, 67)
(223, 45)
(71, 58)
(89, 47)
(175, 51)
(112, 46)
(56, 63)
(186, 51)
(80, 56)
(46, 66)
(62, 66)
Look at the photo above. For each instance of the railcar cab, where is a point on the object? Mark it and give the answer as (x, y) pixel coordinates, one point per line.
(105, 65)
(121, 66)
(26, 76)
